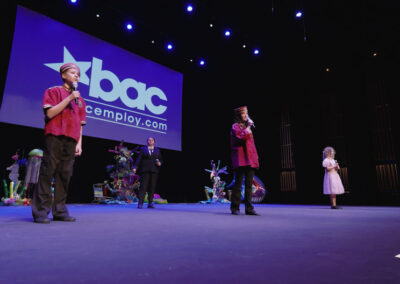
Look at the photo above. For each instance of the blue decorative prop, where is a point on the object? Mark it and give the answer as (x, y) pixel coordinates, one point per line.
(217, 192)
(258, 190)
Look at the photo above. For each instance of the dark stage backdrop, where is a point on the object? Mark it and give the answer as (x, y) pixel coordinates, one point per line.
(298, 107)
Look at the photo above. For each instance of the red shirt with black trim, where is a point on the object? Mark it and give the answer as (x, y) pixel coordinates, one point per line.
(243, 149)
(69, 121)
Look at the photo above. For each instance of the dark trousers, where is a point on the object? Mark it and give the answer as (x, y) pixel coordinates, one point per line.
(58, 161)
(148, 184)
(248, 174)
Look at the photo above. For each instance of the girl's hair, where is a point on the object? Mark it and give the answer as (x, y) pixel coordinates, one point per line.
(237, 118)
(151, 138)
(326, 151)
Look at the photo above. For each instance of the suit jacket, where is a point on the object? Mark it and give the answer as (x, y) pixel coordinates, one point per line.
(146, 162)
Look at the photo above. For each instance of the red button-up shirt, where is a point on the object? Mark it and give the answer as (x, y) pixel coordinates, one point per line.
(243, 149)
(69, 121)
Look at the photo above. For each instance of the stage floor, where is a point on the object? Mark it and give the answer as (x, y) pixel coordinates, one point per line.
(196, 243)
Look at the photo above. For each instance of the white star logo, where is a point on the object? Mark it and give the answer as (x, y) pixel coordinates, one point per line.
(68, 58)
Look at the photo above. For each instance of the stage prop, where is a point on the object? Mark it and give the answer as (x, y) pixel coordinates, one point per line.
(217, 192)
(123, 184)
(15, 193)
(258, 190)
(220, 193)
(32, 171)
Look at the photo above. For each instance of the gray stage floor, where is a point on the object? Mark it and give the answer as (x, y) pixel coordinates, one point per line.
(195, 243)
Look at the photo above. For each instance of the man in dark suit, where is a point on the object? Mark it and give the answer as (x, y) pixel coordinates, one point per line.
(148, 164)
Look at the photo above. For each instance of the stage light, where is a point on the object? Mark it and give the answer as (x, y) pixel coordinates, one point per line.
(170, 46)
(299, 14)
(327, 69)
(152, 41)
(97, 15)
(73, 1)
(227, 33)
(189, 8)
(244, 46)
(202, 62)
(211, 25)
(374, 54)
(256, 51)
(129, 26)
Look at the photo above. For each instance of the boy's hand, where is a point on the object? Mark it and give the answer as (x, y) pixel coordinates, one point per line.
(75, 95)
(78, 150)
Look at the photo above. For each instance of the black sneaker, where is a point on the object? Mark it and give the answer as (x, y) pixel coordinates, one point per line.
(235, 212)
(335, 207)
(150, 205)
(252, 212)
(64, 218)
(44, 220)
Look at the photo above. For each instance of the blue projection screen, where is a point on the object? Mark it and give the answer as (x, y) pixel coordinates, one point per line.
(128, 97)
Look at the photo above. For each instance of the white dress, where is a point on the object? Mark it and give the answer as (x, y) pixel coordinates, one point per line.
(332, 182)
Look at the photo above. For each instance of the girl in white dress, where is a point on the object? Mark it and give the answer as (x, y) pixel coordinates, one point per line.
(332, 182)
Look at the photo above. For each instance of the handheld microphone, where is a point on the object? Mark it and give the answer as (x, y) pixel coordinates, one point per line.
(75, 87)
(253, 125)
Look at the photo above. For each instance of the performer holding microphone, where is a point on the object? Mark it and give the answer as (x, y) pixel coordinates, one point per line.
(244, 160)
(332, 183)
(148, 163)
(65, 114)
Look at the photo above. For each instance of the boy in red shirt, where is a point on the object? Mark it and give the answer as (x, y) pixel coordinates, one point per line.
(244, 160)
(65, 114)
